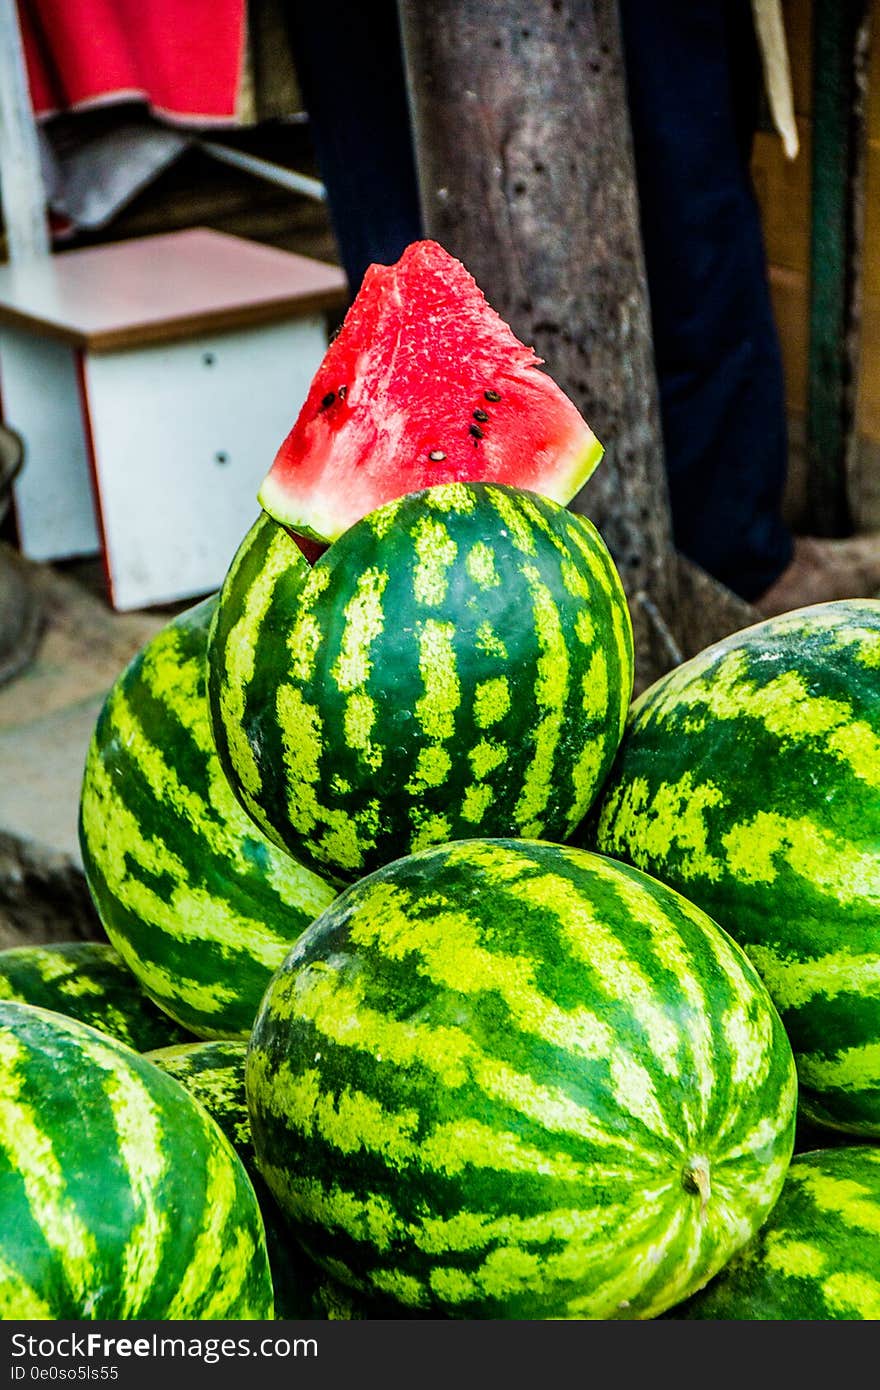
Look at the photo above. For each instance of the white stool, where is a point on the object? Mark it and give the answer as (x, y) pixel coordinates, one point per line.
(152, 381)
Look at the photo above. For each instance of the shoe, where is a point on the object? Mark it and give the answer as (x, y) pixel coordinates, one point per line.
(821, 570)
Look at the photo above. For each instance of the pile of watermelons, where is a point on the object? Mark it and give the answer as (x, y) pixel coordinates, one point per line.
(441, 980)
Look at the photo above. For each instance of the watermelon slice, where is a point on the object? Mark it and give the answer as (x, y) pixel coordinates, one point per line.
(424, 384)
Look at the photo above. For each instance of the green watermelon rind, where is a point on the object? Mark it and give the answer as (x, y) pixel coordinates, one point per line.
(90, 981)
(746, 779)
(459, 663)
(120, 1197)
(816, 1257)
(200, 905)
(511, 1079)
(325, 527)
(213, 1073)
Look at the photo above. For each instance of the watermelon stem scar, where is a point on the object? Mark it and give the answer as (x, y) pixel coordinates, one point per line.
(695, 1178)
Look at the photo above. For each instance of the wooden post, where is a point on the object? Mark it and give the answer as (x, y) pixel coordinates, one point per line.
(27, 238)
(21, 179)
(840, 46)
(525, 166)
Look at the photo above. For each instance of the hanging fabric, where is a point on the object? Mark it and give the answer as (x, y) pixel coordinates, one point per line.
(770, 29)
(184, 60)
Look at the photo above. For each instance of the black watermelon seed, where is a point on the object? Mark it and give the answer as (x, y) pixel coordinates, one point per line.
(475, 431)
(328, 400)
(492, 395)
(436, 456)
(342, 392)
(481, 415)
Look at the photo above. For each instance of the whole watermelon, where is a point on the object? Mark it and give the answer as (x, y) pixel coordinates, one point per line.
(198, 903)
(458, 663)
(817, 1256)
(509, 1079)
(749, 779)
(119, 1196)
(90, 981)
(213, 1072)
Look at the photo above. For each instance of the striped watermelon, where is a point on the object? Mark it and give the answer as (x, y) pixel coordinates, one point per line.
(423, 384)
(90, 981)
(812, 1136)
(459, 663)
(213, 1072)
(200, 906)
(817, 1257)
(749, 779)
(119, 1196)
(511, 1079)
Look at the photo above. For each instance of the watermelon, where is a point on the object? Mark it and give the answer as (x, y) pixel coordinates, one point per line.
(459, 663)
(511, 1079)
(90, 981)
(198, 903)
(424, 384)
(213, 1072)
(748, 778)
(817, 1256)
(810, 1136)
(119, 1196)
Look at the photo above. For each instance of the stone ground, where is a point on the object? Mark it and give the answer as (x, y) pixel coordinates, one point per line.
(47, 714)
(48, 711)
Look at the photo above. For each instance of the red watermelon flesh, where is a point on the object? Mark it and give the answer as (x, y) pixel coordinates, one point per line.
(424, 384)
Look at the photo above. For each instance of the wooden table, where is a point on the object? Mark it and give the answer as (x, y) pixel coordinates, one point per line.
(152, 381)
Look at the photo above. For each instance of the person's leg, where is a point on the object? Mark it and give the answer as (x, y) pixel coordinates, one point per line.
(692, 74)
(349, 61)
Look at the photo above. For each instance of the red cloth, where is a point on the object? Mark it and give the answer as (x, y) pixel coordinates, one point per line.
(184, 58)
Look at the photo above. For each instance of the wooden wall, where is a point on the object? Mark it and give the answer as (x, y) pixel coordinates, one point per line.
(783, 190)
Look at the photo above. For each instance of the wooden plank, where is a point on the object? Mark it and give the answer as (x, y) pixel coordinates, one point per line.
(157, 289)
(797, 16)
(873, 112)
(869, 381)
(794, 502)
(789, 293)
(782, 187)
(871, 265)
(865, 484)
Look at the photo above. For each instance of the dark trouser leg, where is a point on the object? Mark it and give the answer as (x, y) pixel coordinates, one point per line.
(692, 71)
(349, 63)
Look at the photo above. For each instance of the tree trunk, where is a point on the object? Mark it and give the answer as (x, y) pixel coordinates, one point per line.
(841, 56)
(526, 174)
